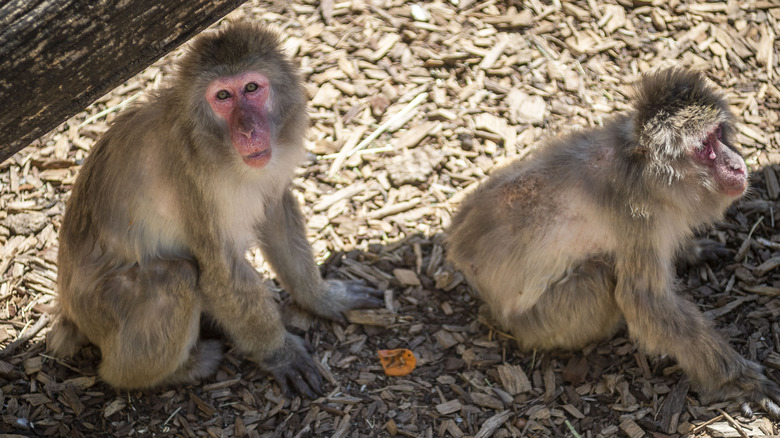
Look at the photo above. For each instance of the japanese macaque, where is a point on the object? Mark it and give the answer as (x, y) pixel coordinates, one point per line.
(170, 199)
(565, 246)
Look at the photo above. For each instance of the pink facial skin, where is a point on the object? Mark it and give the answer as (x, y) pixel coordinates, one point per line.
(727, 166)
(240, 100)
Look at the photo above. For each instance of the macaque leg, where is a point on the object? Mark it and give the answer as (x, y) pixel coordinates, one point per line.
(289, 253)
(575, 311)
(147, 324)
(663, 322)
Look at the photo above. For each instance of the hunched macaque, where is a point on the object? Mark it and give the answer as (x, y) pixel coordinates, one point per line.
(565, 246)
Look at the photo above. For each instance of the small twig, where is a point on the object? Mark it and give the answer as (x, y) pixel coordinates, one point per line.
(707, 423)
(753, 228)
(26, 336)
(571, 428)
(734, 423)
(110, 110)
(61, 362)
(375, 150)
(382, 128)
(495, 329)
(170, 417)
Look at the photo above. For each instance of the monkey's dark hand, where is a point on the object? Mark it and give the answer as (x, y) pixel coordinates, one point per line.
(342, 295)
(294, 369)
(702, 250)
(750, 386)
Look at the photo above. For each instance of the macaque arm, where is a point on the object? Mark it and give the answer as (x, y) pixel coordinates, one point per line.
(285, 247)
(663, 322)
(245, 309)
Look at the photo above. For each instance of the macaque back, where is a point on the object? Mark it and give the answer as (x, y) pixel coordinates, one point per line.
(567, 245)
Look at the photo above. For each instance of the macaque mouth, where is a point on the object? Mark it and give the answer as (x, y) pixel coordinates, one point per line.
(726, 166)
(258, 159)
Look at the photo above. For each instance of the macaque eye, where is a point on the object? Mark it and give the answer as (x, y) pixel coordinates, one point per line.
(250, 87)
(223, 94)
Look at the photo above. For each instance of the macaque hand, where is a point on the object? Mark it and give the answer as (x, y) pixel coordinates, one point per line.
(294, 369)
(342, 295)
(703, 250)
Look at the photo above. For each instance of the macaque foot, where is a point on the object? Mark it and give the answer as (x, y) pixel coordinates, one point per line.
(64, 339)
(343, 295)
(204, 360)
(750, 388)
(294, 369)
(764, 393)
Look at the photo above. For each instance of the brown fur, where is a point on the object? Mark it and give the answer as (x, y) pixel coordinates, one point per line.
(156, 231)
(565, 246)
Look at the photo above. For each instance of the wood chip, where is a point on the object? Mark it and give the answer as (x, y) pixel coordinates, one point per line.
(406, 277)
(772, 185)
(449, 407)
(492, 424)
(370, 317)
(525, 108)
(513, 379)
(630, 428)
(414, 136)
(445, 339)
(115, 406)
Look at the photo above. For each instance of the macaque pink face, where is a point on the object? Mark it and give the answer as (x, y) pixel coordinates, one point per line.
(727, 167)
(241, 101)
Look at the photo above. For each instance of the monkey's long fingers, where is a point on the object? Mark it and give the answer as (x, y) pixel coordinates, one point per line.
(770, 398)
(340, 296)
(746, 410)
(767, 395)
(364, 296)
(711, 250)
(360, 297)
(771, 407)
(304, 378)
(309, 380)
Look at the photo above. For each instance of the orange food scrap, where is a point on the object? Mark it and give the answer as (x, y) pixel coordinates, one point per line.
(398, 362)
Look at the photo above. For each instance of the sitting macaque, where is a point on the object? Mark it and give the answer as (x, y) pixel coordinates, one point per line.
(565, 246)
(162, 214)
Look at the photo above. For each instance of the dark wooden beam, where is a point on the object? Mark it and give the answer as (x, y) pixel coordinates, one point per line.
(58, 56)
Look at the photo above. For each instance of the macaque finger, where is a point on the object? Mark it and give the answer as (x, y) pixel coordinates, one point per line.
(303, 377)
(712, 250)
(771, 407)
(770, 397)
(365, 296)
(746, 410)
(294, 369)
(708, 250)
(765, 402)
(343, 295)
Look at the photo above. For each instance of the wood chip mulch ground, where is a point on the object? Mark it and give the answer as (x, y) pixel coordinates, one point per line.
(412, 104)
